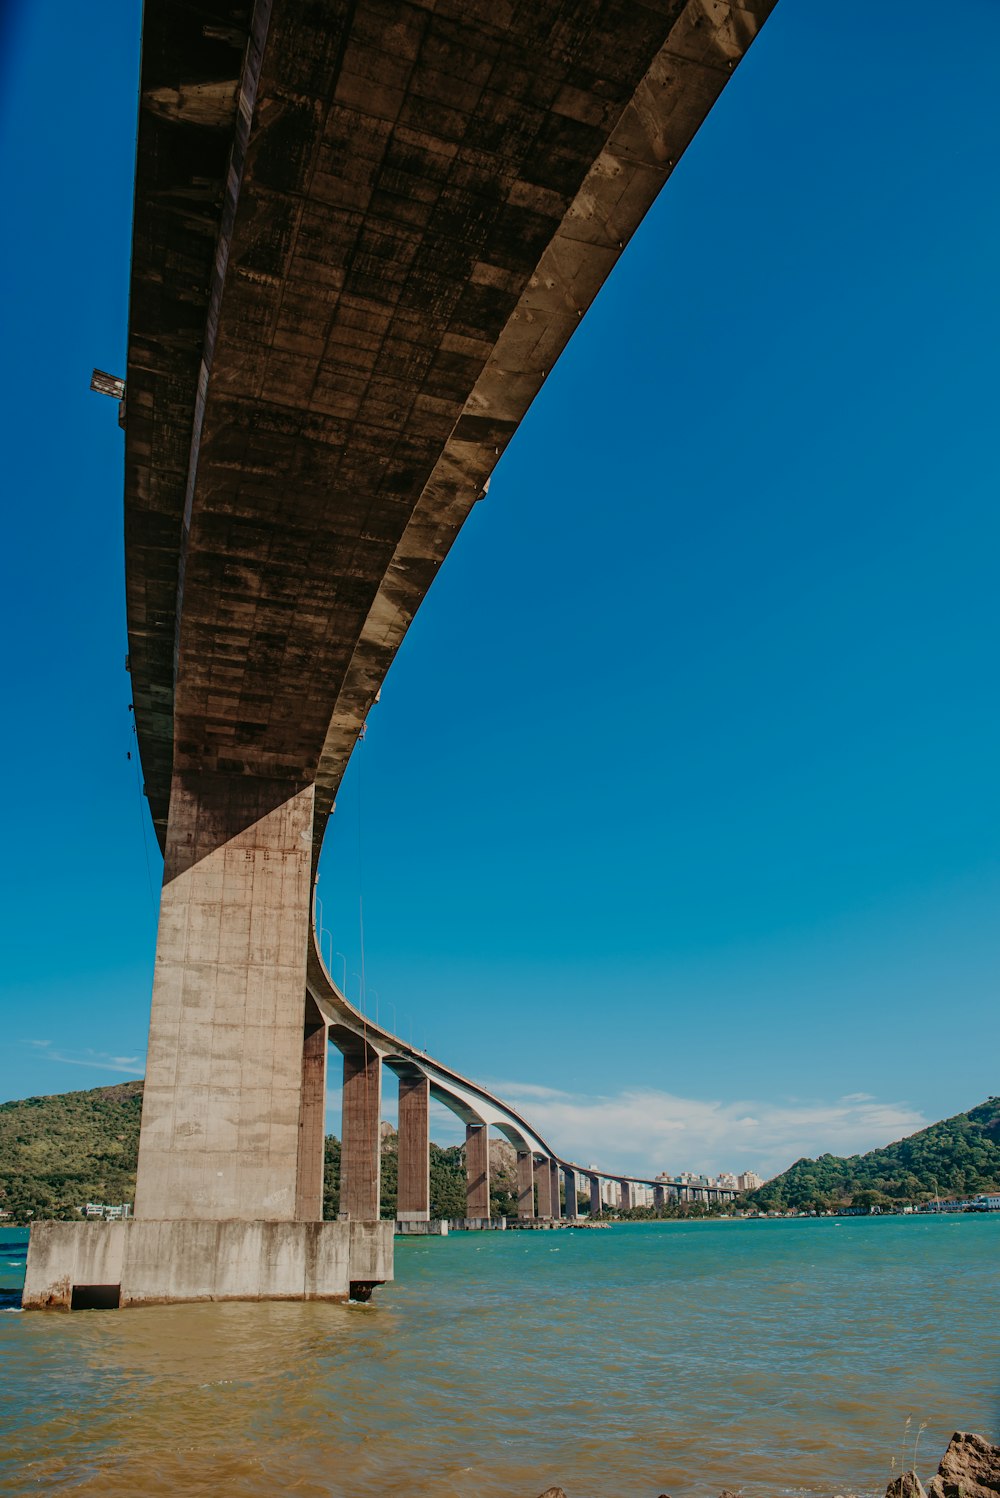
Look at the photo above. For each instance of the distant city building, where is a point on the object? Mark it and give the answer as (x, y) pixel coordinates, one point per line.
(749, 1181)
(107, 1212)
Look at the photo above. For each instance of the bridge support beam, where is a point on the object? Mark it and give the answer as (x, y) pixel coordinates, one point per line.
(659, 1197)
(525, 1185)
(312, 1118)
(223, 1100)
(556, 1203)
(413, 1199)
(572, 1206)
(543, 1186)
(626, 1196)
(477, 1170)
(596, 1204)
(360, 1142)
(230, 1171)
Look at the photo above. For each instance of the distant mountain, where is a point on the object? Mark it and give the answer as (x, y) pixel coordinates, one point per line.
(958, 1157)
(60, 1151)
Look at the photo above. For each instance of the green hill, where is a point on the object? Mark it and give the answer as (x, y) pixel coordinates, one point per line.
(958, 1157)
(58, 1152)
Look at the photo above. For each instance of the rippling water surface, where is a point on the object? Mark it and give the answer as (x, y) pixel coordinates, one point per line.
(780, 1357)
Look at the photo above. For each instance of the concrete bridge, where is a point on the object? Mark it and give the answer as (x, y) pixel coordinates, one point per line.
(363, 234)
(543, 1176)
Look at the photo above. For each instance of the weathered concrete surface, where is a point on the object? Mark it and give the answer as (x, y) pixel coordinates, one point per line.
(477, 1171)
(155, 1262)
(64, 1254)
(543, 1187)
(525, 1185)
(596, 1204)
(554, 1194)
(572, 1205)
(223, 1099)
(363, 237)
(312, 1117)
(413, 1200)
(433, 1227)
(360, 1144)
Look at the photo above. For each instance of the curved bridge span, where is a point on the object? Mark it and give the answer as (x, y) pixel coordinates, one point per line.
(363, 234)
(547, 1184)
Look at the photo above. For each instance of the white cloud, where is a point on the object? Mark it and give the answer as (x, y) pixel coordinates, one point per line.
(131, 1066)
(858, 1097)
(645, 1131)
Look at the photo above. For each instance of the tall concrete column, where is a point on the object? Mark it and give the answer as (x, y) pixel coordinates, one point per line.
(477, 1170)
(525, 1185)
(626, 1196)
(312, 1118)
(572, 1206)
(543, 1185)
(413, 1198)
(659, 1197)
(556, 1203)
(360, 1144)
(596, 1204)
(223, 1101)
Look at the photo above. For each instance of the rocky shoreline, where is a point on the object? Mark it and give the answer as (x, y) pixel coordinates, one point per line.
(970, 1468)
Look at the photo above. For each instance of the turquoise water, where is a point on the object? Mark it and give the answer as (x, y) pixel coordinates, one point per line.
(680, 1358)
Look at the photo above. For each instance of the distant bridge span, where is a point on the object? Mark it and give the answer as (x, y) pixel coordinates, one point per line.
(364, 232)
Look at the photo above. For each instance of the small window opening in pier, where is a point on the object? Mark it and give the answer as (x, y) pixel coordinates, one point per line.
(96, 1298)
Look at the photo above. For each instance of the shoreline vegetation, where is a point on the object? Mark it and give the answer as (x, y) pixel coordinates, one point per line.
(60, 1151)
(970, 1468)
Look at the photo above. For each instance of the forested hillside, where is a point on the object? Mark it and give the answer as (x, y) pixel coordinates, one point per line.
(955, 1158)
(58, 1152)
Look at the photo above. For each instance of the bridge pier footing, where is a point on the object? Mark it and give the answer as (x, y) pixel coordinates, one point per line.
(147, 1262)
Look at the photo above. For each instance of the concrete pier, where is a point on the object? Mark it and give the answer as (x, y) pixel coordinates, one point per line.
(543, 1187)
(312, 1117)
(525, 1185)
(659, 1196)
(477, 1171)
(78, 1265)
(360, 1145)
(229, 1032)
(556, 1203)
(626, 1188)
(596, 1204)
(413, 1202)
(572, 1206)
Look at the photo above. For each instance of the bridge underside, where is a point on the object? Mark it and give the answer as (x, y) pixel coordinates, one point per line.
(364, 232)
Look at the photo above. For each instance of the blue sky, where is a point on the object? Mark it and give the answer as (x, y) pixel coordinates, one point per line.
(678, 816)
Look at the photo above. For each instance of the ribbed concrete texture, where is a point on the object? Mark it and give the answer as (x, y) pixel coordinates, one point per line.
(572, 1207)
(525, 1185)
(413, 1201)
(556, 1203)
(223, 1095)
(543, 1187)
(150, 1262)
(360, 1152)
(477, 1170)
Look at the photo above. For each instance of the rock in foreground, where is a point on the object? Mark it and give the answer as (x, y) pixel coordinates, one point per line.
(970, 1468)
